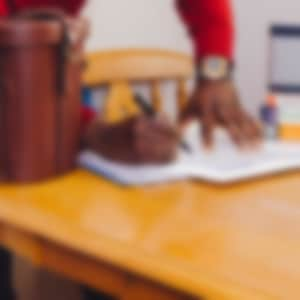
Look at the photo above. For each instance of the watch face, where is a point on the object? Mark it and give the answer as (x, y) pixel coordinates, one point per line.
(215, 68)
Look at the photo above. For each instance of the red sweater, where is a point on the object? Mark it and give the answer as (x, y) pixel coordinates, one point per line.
(209, 22)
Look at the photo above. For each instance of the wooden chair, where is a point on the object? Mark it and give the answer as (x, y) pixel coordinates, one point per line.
(119, 68)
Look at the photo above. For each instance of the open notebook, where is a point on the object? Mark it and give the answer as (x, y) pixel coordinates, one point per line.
(224, 164)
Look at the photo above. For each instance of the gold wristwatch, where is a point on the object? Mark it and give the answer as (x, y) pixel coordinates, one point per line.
(214, 68)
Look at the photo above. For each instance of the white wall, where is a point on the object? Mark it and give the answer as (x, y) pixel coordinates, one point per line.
(130, 23)
(145, 23)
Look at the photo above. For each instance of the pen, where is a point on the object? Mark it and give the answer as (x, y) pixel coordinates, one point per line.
(149, 111)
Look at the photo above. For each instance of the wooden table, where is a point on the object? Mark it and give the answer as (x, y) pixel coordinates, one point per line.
(178, 241)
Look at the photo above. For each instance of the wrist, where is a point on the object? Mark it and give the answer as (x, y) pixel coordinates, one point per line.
(214, 68)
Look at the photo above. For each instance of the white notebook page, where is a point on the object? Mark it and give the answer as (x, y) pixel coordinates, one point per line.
(223, 164)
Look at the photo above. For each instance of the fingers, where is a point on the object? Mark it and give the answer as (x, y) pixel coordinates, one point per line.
(162, 125)
(159, 125)
(155, 149)
(208, 126)
(161, 151)
(208, 120)
(193, 108)
(202, 109)
(230, 121)
(244, 131)
(156, 140)
(242, 128)
(250, 129)
(236, 134)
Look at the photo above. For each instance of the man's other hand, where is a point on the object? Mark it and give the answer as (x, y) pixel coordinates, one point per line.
(136, 140)
(216, 103)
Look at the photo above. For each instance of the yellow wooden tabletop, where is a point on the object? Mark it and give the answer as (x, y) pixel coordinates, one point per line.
(232, 242)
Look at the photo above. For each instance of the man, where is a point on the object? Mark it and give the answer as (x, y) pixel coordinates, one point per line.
(214, 101)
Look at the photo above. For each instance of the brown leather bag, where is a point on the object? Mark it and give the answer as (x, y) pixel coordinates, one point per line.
(40, 83)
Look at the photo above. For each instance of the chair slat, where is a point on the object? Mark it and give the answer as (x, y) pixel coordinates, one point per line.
(135, 65)
(156, 95)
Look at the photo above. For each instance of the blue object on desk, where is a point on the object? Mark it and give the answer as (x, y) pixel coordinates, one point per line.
(87, 96)
(269, 117)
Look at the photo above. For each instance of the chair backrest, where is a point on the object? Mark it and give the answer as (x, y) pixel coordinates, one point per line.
(119, 68)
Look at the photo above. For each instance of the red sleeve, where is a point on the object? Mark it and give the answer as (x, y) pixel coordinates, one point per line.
(210, 24)
(3, 8)
(70, 6)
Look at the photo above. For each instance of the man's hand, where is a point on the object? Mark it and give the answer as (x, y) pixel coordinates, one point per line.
(216, 103)
(137, 140)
